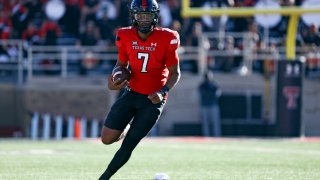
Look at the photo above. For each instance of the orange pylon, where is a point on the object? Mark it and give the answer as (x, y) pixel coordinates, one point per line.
(77, 128)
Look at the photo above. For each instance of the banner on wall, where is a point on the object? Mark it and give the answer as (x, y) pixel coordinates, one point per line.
(289, 98)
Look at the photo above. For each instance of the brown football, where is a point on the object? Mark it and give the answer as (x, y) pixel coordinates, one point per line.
(120, 72)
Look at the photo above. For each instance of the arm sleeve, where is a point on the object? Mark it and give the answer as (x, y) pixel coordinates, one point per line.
(122, 52)
(172, 57)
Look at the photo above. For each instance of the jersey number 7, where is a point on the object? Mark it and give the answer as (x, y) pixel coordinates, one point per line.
(145, 58)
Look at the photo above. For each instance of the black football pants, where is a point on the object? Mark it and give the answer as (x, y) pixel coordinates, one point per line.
(144, 113)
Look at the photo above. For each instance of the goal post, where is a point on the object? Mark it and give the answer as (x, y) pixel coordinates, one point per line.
(293, 12)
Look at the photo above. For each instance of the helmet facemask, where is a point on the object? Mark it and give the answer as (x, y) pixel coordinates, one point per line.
(145, 21)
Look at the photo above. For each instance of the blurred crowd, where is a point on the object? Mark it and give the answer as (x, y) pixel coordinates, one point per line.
(93, 22)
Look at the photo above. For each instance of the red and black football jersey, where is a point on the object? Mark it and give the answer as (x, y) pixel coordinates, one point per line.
(148, 59)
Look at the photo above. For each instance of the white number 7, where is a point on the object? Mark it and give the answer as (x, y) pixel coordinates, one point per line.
(145, 58)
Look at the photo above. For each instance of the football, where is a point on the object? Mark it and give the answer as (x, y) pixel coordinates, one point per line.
(121, 73)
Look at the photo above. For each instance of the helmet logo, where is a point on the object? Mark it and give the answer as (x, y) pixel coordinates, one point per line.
(144, 5)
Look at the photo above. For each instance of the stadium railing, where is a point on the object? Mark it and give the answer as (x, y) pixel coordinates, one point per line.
(20, 62)
(248, 52)
(11, 60)
(67, 61)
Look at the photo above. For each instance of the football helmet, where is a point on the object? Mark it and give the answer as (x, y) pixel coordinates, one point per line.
(144, 14)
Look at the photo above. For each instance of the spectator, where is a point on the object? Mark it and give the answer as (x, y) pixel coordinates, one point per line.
(210, 112)
(310, 36)
(240, 24)
(165, 14)
(106, 27)
(50, 31)
(251, 42)
(89, 10)
(175, 6)
(176, 26)
(20, 16)
(5, 26)
(226, 62)
(89, 37)
(31, 34)
(122, 9)
(71, 20)
(106, 8)
(4, 56)
(213, 23)
(193, 39)
(7, 5)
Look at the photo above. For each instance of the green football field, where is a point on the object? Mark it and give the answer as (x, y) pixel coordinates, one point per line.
(180, 158)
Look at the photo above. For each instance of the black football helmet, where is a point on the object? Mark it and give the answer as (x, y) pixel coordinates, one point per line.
(144, 14)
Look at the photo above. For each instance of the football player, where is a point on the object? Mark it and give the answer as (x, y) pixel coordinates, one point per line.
(151, 53)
